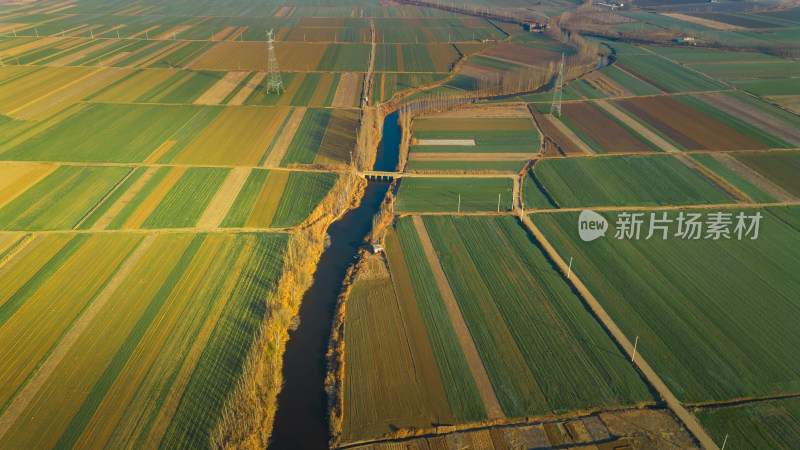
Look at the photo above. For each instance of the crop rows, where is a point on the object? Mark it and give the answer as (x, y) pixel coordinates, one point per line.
(700, 322)
(454, 194)
(541, 348)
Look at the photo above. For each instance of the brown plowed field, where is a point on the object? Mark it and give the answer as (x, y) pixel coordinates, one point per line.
(551, 131)
(608, 134)
(690, 128)
(522, 54)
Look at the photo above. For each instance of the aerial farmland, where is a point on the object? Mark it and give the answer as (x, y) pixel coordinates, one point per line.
(389, 224)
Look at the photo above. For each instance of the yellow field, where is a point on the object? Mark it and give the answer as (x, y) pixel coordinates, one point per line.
(176, 309)
(17, 178)
(267, 203)
(322, 90)
(14, 276)
(35, 85)
(151, 202)
(291, 90)
(89, 356)
(240, 135)
(43, 318)
(252, 56)
(134, 87)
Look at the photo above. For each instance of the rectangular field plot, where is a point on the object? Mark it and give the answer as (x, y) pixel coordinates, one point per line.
(419, 194)
(114, 363)
(232, 55)
(687, 127)
(709, 333)
(239, 135)
(491, 135)
(601, 131)
(385, 85)
(666, 75)
(532, 332)
(766, 424)
(325, 136)
(61, 199)
(112, 133)
(183, 205)
(278, 198)
(779, 167)
(625, 180)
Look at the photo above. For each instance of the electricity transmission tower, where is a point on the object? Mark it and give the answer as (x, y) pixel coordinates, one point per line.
(273, 75)
(556, 106)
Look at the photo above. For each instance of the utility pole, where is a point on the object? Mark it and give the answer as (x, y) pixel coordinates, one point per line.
(498, 202)
(459, 203)
(633, 357)
(569, 269)
(724, 442)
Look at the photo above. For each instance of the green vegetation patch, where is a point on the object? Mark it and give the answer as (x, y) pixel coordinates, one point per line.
(710, 333)
(419, 194)
(304, 191)
(185, 203)
(625, 180)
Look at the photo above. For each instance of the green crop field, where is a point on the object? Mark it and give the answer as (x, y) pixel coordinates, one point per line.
(771, 424)
(542, 349)
(462, 393)
(733, 178)
(187, 200)
(534, 195)
(442, 194)
(668, 76)
(779, 167)
(304, 191)
(345, 58)
(167, 351)
(766, 87)
(113, 133)
(61, 199)
(625, 180)
(490, 135)
(309, 136)
(632, 83)
(700, 322)
(466, 166)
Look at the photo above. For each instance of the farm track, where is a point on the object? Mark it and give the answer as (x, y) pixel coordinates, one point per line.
(490, 401)
(688, 419)
(38, 379)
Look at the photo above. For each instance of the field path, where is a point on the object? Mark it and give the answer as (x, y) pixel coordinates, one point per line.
(223, 200)
(38, 379)
(123, 200)
(282, 144)
(689, 420)
(754, 177)
(569, 134)
(490, 402)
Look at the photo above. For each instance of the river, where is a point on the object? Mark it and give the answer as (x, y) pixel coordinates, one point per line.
(301, 419)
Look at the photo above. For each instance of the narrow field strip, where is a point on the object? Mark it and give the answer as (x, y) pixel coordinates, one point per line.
(282, 144)
(247, 89)
(490, 402)
(223, 200)
(416, 156)
(459, 142)
(154, 199)
(266, 205)
(655, 139)
(30, 390)
(123, 201)
(17, 179)
(216, 93)
(160, 151)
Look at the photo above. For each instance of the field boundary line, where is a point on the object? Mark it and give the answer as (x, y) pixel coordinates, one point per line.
(657, 140)
(570, 134)
(689, 420)
(485, 388)
(223, 200)
(247, 89)
(123, 200)
(26, 395)
(224, 86)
